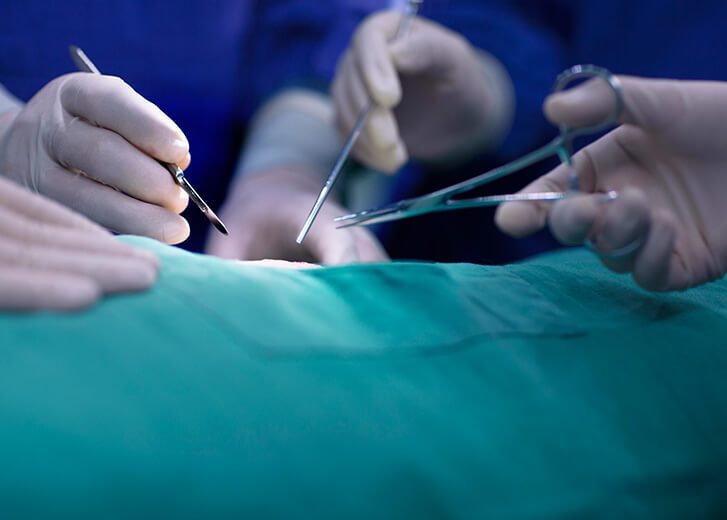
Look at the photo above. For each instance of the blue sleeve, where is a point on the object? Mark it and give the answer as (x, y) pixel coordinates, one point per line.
(529, 37)
(298, 43)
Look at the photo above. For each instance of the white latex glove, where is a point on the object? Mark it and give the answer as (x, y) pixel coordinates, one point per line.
(54, 259)
(437, 96)
(668, 162)
(88, 141)
(265, 212)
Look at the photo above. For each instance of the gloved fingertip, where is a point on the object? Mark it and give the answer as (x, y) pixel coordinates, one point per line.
(382, 130)
(146, 256)
(571, 220)
(186, 162)
(177, 152)
(128, 275)
(518, 219)
(139, 277)
(177, 201)
(386, 91)
(401, 156)
(653, 269)
(182, 200)
(81, 294)
(175, 231)
(410, 56)
(583, 105)
(391, 160)
(147, 277)
(557, 106)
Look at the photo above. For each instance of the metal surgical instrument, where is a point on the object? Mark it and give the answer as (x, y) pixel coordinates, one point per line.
(412, 8)
(84, 64)
(443, 200)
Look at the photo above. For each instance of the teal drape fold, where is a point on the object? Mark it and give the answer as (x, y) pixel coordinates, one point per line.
(546, 389)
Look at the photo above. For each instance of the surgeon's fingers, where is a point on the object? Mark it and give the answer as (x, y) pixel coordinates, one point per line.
(628, 224)
(110, 103)
(601, 158)
(380, 136)
(426, 52)
(520, 219)
(380, 140)
(383, 140)
(623, 225)
(113, 209)
(657, 267)
(572, 220)
(372, 53)
(351, 98)
(647, 103)
(36, 207)
(112, 160)
(379, 146)
(26, 289)
(112, 273)
(581, 106)
(27, 230)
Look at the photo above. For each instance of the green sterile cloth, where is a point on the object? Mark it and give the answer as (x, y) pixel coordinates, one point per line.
(547, 389)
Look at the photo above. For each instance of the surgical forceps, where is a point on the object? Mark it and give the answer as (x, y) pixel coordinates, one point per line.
(443, 200)
(412, 8)
(84, 64)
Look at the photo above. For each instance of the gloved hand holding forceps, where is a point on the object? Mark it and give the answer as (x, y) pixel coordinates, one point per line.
(667, 161)
(437, 97)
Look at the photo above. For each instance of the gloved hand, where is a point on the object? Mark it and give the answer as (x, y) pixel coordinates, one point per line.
(265, 212)
(436, 96)
(667, 161)
(88, 142)
(52, 258)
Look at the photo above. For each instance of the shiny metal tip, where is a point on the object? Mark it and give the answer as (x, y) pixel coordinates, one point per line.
(301, 236)
(216, 222)
(313, 214)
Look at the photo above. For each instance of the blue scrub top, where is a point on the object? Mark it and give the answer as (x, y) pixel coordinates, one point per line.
(207, 63)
